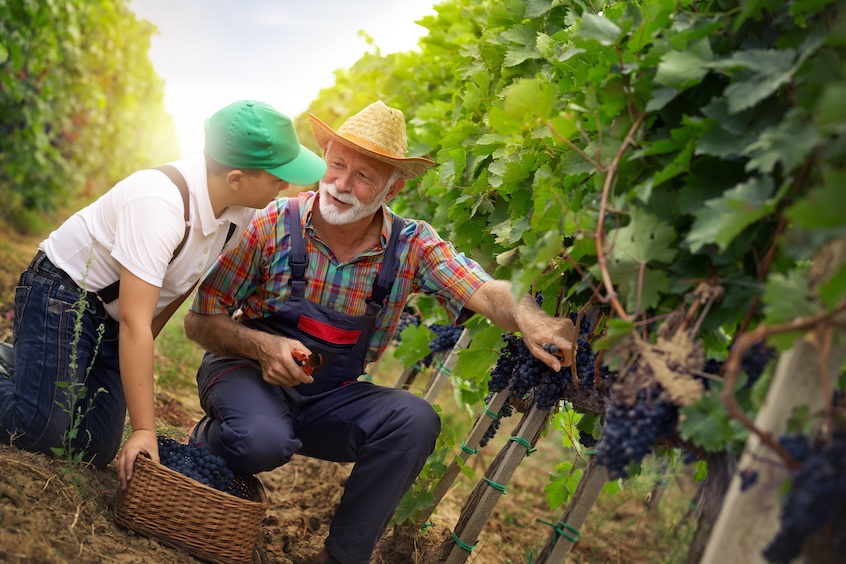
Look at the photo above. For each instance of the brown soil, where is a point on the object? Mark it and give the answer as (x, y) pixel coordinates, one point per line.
(50, 515)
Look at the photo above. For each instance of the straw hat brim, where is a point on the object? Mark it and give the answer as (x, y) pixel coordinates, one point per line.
(409, 167)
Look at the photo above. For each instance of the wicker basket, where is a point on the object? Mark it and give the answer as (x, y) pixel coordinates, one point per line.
(183, 513)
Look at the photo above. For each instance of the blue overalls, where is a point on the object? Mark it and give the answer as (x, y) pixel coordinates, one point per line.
(387, 432)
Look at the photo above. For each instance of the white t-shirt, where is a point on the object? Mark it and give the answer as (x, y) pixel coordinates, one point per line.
(138, 224)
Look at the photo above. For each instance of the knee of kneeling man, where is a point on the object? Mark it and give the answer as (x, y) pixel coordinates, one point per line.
(262, 449)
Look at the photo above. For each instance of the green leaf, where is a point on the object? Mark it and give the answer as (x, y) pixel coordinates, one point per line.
(599, 28)
(725, 218)
(824, 206)
(643, 240)
(414, 345)
(475, 362)
(615, 331)
(831, 111)
(763, 71)
(681, 69)
(833, 290)
(530, 97)
(787, 143)
(706, 423)
(786, 297)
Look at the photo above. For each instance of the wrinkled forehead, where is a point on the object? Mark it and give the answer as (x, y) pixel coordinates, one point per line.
(357, 159)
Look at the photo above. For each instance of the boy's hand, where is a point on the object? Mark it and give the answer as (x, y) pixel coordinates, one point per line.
(141, 440)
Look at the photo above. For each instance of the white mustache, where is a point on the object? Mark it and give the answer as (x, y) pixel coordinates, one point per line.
(346, 198)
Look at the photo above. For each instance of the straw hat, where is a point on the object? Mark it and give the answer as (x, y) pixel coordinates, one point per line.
(377, 131)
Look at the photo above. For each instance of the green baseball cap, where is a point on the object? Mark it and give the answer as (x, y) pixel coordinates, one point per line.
(251, 134)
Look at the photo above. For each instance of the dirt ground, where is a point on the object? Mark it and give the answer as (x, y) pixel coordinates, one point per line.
(48, 515)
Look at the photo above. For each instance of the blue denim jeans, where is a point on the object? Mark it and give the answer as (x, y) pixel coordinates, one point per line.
(35, 410)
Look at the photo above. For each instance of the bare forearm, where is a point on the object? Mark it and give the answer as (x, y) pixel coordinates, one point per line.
(221, 335)
(495, 301)
(136, 362)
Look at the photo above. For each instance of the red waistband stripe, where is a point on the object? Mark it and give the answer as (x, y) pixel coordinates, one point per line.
(327, 332)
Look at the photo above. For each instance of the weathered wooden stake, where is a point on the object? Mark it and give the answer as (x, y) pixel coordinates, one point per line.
(471, 443)
(566, 532)
(441, 377)
(487, 492)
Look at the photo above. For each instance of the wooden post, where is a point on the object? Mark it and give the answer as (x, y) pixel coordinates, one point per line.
(749, 520)
(441, 376)
(485, 496)
(483, 422)
(407, 377)
(567, 531)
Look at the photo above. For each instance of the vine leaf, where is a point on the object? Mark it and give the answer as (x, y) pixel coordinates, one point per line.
(723, 219)
(823, 206)
(787, 143)
(643, 240)
(707, 424)
(787, 297)
(530, 97)
(475, 362)
(414, 344)
(600, 29)
(681, 69)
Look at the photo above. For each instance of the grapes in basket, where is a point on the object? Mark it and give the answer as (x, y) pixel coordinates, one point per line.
(197, 462)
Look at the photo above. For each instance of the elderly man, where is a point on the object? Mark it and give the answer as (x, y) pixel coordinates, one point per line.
(329, 273)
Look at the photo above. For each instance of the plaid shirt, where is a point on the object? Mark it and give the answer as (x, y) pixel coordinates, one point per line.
(255, 274)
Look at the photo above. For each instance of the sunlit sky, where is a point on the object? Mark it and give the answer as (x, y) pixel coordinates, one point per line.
(213, 52)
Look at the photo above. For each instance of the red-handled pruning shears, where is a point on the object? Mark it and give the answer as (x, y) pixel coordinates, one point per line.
(308, 361)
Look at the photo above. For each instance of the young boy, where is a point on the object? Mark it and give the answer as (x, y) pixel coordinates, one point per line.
(132, 257)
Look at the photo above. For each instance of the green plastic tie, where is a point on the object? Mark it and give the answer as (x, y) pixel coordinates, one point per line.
(491, 414)
(558, 530)
(498, 487)
(463, 546)
(426, 526)
(469, 450)
(591, 452)
(442, 368)
(525, 443)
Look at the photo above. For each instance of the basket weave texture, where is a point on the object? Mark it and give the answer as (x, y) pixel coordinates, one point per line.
(183, 513)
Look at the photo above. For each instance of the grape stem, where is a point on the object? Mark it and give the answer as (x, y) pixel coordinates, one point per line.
(610, 176)
(760, 333)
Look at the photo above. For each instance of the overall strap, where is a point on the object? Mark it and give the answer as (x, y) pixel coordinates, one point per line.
(388, 273)
(111, 292)
(298, 259)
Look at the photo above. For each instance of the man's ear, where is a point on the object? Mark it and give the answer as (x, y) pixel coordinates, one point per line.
(398, 185)
(233, 179)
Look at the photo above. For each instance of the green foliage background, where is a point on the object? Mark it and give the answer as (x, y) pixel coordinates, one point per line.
(713, 129)
(80, 103)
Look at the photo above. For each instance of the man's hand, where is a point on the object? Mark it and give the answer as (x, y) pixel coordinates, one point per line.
(141, 440)
(538, 329)
(276, 359)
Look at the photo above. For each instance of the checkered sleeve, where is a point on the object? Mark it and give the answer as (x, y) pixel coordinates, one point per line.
(237, 273)
(444, 273)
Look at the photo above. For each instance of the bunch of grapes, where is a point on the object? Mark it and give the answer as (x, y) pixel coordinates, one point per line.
(505, 411)
(587, 440)
(407, 317)
(817, 496)
(630, 432)
(755, 360)
(198, 463)
(445, 338)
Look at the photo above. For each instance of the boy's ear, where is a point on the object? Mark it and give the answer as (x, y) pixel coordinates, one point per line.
(233, 179)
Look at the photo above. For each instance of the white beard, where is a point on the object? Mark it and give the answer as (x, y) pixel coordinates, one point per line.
(358, 211)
